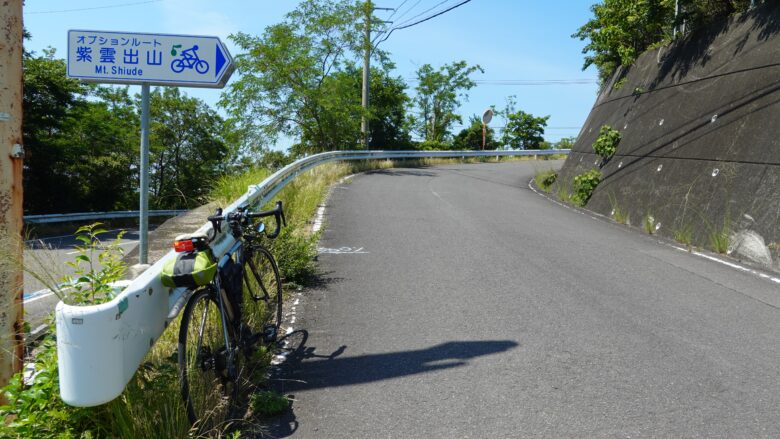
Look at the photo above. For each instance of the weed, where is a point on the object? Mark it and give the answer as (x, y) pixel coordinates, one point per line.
(719, 239)
(268, 403)
(564, 195)
(619, 83)
(229, 187)
(545, 179)
(649, 224)
(96, 266)
(34, 407)
(584, 185)
(684, 235)
(618, 214)
(606, 144)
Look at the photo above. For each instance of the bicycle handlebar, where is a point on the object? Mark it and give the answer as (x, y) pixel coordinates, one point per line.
(278, 214)
(241, 215)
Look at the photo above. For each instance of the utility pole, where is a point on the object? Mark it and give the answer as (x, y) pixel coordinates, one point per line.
(11, 213)
(368, 9)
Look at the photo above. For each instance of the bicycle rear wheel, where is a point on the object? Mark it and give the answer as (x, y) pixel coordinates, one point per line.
(207, 388)
(263, 291)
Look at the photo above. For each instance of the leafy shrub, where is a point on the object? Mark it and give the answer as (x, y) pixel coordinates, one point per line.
(584, 185)
(34, 407)
(546, 179)
(606, 144)
(268, 403)
(92, 285)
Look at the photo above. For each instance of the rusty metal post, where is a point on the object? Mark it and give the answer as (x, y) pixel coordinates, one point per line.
(11, 154)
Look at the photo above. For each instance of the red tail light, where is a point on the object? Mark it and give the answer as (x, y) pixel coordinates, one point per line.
(183, 246)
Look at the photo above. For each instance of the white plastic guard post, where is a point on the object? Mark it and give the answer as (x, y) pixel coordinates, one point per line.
(100, 347)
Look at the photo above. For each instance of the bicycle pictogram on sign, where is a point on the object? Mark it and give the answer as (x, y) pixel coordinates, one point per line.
(189, 60)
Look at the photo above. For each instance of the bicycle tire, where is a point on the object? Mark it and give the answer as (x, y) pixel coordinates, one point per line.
(208, 392)
(262, 301)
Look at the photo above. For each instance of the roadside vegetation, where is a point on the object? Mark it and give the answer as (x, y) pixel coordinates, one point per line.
(621, 30)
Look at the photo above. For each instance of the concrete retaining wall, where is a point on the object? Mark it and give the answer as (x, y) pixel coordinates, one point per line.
(700, 148)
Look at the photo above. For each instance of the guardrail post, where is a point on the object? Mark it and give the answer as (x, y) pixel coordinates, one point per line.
(11, 155)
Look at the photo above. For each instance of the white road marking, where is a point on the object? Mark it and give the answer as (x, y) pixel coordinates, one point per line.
(342, 251)
(318, 219)
(38, 295)
(732, 265)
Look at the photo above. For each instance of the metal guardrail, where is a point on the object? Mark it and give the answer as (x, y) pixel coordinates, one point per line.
(101, 346)
(88, 216)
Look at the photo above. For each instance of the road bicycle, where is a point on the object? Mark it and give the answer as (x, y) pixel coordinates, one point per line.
(223, 320)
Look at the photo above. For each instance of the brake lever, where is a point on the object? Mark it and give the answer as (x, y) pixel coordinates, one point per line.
(217, 224)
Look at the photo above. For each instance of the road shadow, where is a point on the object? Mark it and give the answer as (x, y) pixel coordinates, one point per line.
(305, 369)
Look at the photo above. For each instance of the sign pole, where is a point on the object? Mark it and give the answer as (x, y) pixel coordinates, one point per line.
(143, 248)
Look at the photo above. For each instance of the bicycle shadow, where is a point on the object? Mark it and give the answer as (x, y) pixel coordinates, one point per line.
(304, 369)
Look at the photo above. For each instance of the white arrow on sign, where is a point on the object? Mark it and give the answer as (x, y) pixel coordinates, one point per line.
(156, 59)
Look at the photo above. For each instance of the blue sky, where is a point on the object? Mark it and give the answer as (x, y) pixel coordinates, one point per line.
(510, 39)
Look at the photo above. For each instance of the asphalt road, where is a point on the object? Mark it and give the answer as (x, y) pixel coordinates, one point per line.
(457, 303)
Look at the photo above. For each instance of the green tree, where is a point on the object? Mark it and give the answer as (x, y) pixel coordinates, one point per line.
(566, 143)
(187, 150)
(388, 126)
(48, 99)
(621, 30)
(523, 130)
(284, 87)
(471, 136)
(102, 144)
(699, 13)
(81, 141)
(439, 93)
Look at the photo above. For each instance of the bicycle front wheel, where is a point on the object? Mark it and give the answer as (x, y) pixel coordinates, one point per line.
(263, 290)
(207, 387)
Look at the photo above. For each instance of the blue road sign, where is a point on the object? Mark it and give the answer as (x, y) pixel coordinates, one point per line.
(156, 59)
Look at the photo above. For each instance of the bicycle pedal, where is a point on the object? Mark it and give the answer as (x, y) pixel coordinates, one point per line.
(269, 333)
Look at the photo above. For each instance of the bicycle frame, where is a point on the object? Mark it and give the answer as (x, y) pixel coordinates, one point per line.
(226, 312)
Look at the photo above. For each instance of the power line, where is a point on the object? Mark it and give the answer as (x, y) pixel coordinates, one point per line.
(383, 31)
(408, 10)
(421, 21)
(395, 11)
(529, 82)
(93, 8)
(433, 16)
(423, 12)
